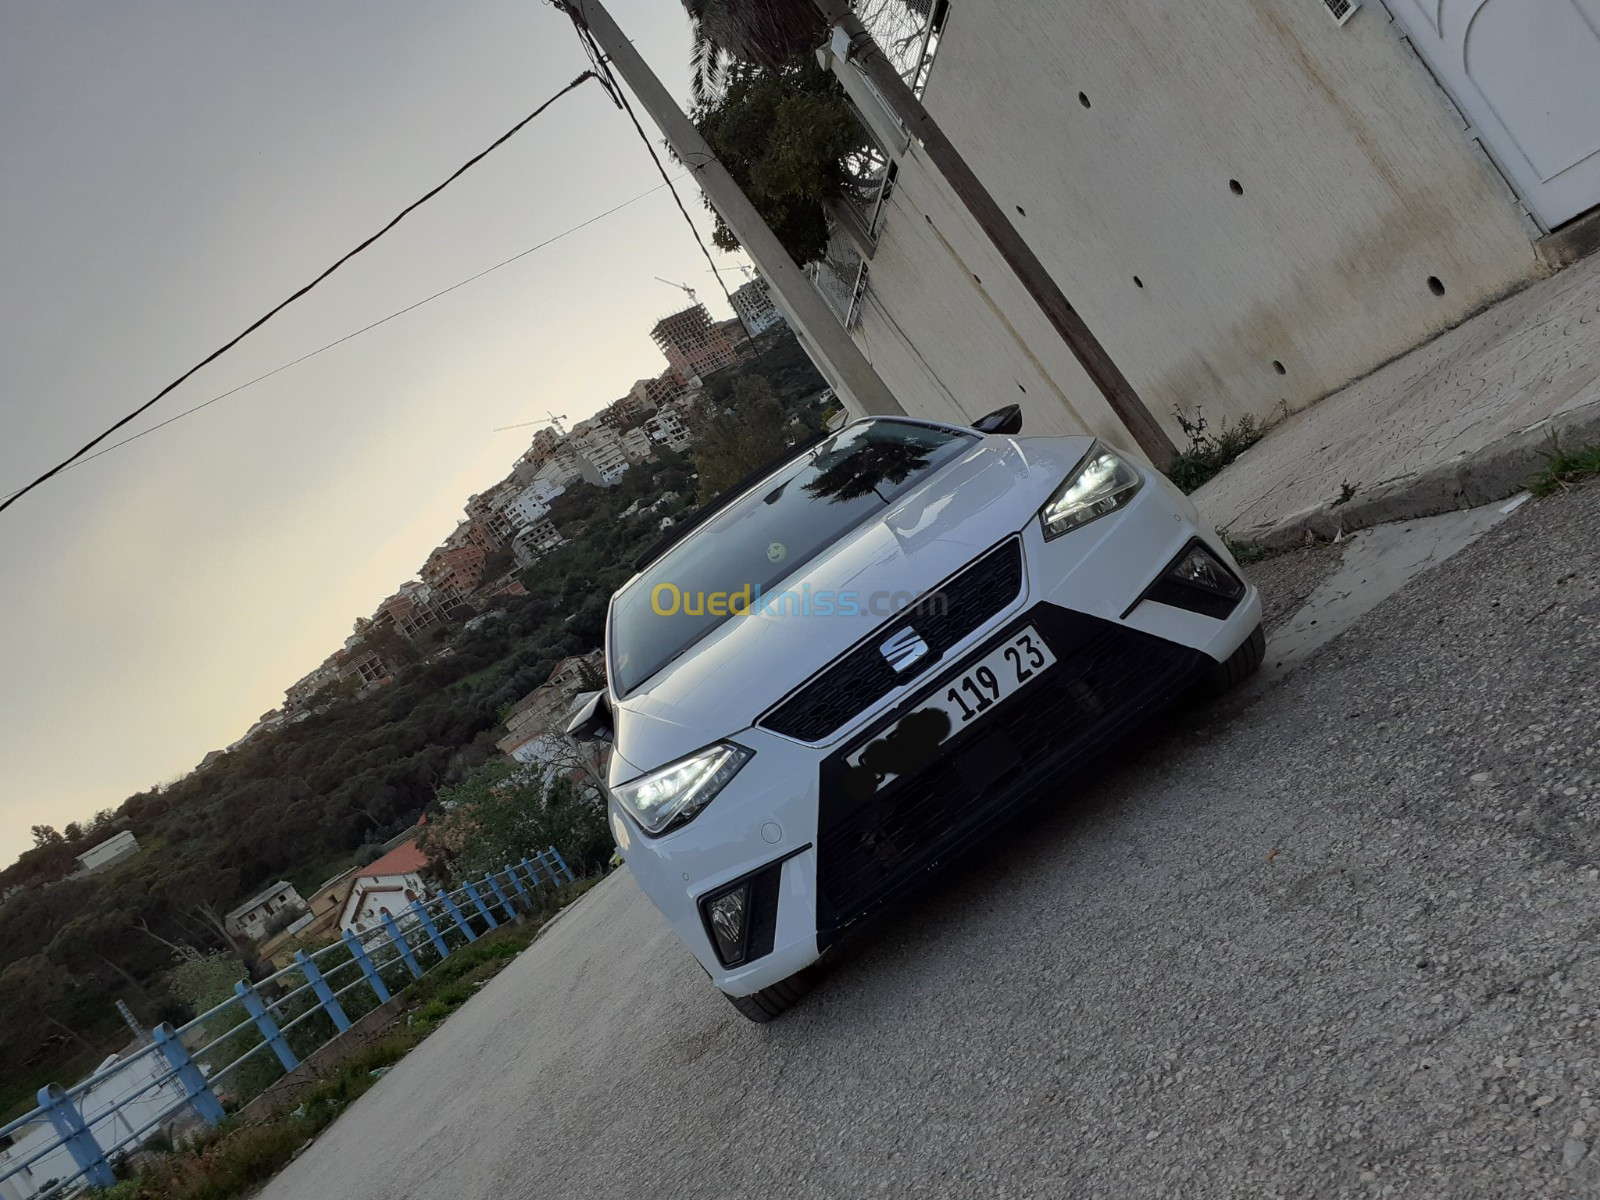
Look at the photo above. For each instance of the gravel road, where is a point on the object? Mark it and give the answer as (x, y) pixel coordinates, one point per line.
(1339, 941)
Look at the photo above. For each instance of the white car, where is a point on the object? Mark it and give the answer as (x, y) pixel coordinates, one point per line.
(846, 671)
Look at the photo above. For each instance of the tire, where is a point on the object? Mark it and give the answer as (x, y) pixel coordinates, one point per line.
(1242, 663)
(772, 1002)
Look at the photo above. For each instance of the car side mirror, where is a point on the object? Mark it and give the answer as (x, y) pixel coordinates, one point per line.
(593, 722)
(1001, 420)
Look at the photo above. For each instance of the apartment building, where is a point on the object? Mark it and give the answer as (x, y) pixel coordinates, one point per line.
(692, 342)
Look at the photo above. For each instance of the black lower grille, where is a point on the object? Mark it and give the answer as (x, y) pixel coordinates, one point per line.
(861, 676)
(1105, 680)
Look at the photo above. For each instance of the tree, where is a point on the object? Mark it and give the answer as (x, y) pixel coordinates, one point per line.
(92, 942)
(37, 987)
(44, 836)
(790, 140)
(505, 810)
(730, 443)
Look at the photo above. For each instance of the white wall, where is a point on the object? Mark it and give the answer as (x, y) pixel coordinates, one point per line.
(374, 895)
(1357, 186)
(108, 1130)
(123, 845)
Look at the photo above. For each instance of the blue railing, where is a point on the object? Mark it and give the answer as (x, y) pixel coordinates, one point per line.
(229, 1054)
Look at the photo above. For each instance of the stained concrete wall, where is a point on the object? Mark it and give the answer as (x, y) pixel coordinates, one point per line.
(1356, 186)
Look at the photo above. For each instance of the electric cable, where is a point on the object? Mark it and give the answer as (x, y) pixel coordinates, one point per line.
(276, 309)
(88, 458)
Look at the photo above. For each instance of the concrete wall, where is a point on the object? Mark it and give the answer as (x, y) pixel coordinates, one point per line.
(1355, 182)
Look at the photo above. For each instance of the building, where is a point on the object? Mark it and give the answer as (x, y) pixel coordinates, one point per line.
(561, 470)
(666, 388)
(388, 885)
(636, 445)
(1250, 205)
(627, 412)
(536, 724)
(454, 573)
(669, 429)
(327, 904)
(275, 907)
(411, 610)
(365, 667)
(692, 343)
(544, 445)
(532, 503)
(297, 698)
(488, 509)
(602, 459)
(152, 1101)
(534, 541)
(113, 850)
(755, 308)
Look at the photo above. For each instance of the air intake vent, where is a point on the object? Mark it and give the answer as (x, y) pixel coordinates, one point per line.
(1341, 10)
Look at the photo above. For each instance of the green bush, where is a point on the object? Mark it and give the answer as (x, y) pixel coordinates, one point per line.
(1208, 453)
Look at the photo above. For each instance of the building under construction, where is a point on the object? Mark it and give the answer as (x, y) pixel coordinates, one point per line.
(692, 342)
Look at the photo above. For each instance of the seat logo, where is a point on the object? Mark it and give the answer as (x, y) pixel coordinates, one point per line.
(904, 650)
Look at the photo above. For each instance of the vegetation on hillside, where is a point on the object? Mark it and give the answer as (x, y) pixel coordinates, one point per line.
(314, 797)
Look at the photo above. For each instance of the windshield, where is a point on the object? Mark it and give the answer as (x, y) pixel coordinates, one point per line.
(765, 535)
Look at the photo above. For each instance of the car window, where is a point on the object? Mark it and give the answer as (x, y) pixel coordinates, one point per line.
(766, 535)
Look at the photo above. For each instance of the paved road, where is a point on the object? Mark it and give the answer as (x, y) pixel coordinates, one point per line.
(1339, 941)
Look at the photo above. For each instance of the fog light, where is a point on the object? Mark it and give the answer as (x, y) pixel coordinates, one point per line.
(1197, 581)
(1199, 568)
(727, 913)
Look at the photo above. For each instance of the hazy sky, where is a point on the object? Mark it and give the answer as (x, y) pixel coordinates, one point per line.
(171, 170)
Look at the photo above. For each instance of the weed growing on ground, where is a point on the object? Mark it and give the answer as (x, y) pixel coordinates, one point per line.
(1208, 453)
(1245, 554)
(1565, 469)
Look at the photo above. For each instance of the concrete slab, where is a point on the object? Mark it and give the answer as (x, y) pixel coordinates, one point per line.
(1461, 421)
(1375, 564)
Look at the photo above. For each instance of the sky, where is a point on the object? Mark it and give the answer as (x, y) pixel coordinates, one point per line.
(174, 169)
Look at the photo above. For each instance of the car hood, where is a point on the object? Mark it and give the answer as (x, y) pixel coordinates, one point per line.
(750, 662)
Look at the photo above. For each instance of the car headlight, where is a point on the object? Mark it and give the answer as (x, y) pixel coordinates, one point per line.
(1103, 483)
(675, 793)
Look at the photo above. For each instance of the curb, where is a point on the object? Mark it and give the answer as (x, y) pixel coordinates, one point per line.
(1490, 473)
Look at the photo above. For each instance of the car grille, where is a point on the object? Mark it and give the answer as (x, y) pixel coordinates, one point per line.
(1106, 679)
(862, 675)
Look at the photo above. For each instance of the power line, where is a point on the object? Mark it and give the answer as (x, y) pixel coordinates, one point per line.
(364, 329)
(276, 309)
(608, 81)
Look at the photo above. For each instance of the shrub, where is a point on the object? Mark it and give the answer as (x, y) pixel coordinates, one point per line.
(1208, 453)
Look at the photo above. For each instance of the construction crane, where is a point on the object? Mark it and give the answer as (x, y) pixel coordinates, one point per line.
(551, 420)
(683, 286)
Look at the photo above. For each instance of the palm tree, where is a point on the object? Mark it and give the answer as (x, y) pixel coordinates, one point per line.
(764, 32)
(769, 32)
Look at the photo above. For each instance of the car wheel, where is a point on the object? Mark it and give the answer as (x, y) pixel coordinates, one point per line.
(772, 1002)
(1242, 663)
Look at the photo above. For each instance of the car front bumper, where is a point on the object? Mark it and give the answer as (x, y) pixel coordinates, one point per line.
(1118, 663)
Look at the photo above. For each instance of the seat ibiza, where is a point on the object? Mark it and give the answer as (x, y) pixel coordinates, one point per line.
(846, 670)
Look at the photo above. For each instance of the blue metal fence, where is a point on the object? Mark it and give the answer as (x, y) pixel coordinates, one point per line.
(193, 1074)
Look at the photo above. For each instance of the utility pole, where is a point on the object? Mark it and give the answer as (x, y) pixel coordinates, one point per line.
(851, 43)
(820, 331)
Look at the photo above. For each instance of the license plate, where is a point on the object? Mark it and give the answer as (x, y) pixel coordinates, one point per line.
(960, 701)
